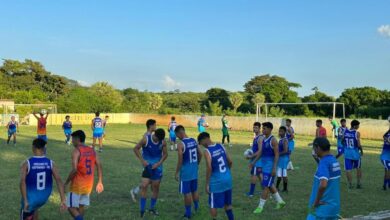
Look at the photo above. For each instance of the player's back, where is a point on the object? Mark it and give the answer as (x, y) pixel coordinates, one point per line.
(39, 181)
(281, 146)
(152, 151)
(267, 154)
(172, 126)
(386, 147)
(82, 183)
(41, 129)
(351, 150)
(221, 178)
(189, 169)
(289, 133)
(97, 125)
(255, 148)
(341, 132)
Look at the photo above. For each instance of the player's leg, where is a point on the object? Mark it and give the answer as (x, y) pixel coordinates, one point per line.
(358, 173)
(94, 141)
(144, 188)
(386, 178)
(253, 180)
(134, 192)
(195, 194)
(213, 203)
(275, 194)
(223, 138)
(14, 138)
(187, 205)
(285, 180)
(100, 143)
(228, 204)
(279, 177)
(155, 192)
(9, 137)
(348, 169)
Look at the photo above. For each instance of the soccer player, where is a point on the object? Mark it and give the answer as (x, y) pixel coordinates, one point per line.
(335, 126)
(67, 127)
(172, 136)
(189, 157)
(283, 159)
(320, 131)
(105, 122)
(218, 176)
(340, 138)
(352, 153)
(36, 182)
(81, 177)
(325, 196)
(97, 128)
(291, 143)
(154, 153)
(12, 128)
(385, 158)
(269, 158)
(41, 128)
(225, 130)
(202, 124)
(255, 162)
(151, 126)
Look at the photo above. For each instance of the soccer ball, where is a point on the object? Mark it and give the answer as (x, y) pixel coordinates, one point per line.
(43, 111)
(248, 152)
(206, 124)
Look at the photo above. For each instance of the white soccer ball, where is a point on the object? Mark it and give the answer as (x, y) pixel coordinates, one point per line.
(43, 111)
(248, 152)
(206, 124)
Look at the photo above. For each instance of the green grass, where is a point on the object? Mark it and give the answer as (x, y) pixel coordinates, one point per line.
(122, 171)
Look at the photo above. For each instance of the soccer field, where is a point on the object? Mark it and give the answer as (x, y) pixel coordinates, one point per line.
(121, 171)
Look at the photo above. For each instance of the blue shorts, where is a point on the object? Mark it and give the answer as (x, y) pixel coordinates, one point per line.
(34, 204)
(98, 135)
(268, 180)
(190, 186)
(291, 145)
(283, 162)
(313, 217)
(340, 147)
(352, 164)
(220, 200)
(11, 132)
(155, 174)
(386, 164)
(172, 136)
(42, 137)
(67, 132)
(256, 171)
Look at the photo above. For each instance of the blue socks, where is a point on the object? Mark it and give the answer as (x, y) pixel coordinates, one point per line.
(196, 205)
(188, 211)
(79, 217)
(153, 203)
(142, 203)
(229, 214)
(252, 189)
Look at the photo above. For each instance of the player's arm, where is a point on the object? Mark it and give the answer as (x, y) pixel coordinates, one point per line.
(276, 152)
(35, 115)
(180, 147)
(75, 161)
(47, 115)
(199, 152)
(63, 128)
(99, 185)
(291, 132)
(137, 152)
(285, 147)
(164, 155)
(23, 190)
(208, 170)
(257, 155)
(92, 125)
(7, 126)
(359, 143)
(317, 132)
(60, 185)
(320, 192)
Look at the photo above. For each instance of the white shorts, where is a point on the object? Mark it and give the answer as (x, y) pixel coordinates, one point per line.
(74, 200)
(281, 172)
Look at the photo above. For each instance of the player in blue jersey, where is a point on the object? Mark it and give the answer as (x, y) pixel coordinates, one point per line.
(67, 127)
(324, 201)
(219, 181)
(36, 182)
(291, 143)
(340, 138)
(154, 153)
(255, 162)
(284, 158)
(189, 157)
(97, 126)
(385, 159)
(172, 136)
(12, 128)
(269, 154)
(202, 124)
(352, 153)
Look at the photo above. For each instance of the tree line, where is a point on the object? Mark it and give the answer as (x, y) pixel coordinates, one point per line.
(28, 82)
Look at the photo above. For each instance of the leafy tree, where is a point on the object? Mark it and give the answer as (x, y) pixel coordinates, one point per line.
(220, 95)
(236, 100)
(155, 101)
(135, 101)
(318, 96)
(362, 96)
(77, 100)
(215, 108)
(109, 99)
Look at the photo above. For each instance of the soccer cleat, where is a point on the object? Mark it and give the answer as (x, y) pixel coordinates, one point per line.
(249, 195)
(132, 194)
(258, 210)
(384, 187)
(142, 214)
(154, 212)
(185, 217)
(280, 205)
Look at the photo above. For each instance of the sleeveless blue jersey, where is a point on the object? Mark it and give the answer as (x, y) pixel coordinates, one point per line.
(281, 145)
(221, 178)
(67, 125)
(152, 152)
(351, 150)
(12, 125)
(189, 168)
(341, 132)
(386, 147)
(288, 134)
(172, 126)
(255, 148)
(39, 182)
(97, 125)
(267, 154)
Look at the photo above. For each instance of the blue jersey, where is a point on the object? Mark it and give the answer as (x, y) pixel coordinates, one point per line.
(267, 154)
(341, 132)
(39, 182)
(221, 178)
(255, 148)
(351, 150)
(189, 168)
(98, 125)
(152, 152)
(289, 134)
(172, 126)
(328, 169)
(281, 146)
(12, 125)
(201, 128)
(67, 125)
(386, 147)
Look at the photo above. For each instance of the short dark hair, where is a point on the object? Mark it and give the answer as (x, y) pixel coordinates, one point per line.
(107, 116)
(79, 134)
(257, 124)
(354, 123)
(173, 118)
(268, 125)
(160, 134)
(179, 128)
(202, 136)
(289, 120)
(150, 122)
(39, 143)
(319, 121)
(322, 143)
(97, 114)
(67, 116)
(343, 120)
(283, 128)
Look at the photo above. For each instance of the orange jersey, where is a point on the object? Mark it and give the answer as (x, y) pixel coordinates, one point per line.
(82, 183)
(322, 132)
(41, 129)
